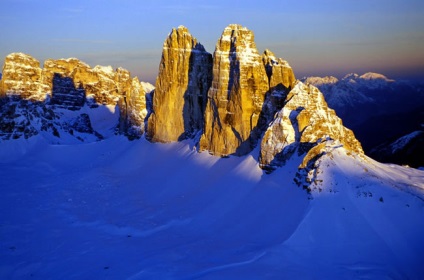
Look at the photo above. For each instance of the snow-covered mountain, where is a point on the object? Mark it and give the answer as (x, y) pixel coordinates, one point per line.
(377, 108)
(370, 90)
(352, 89)
(259, 178)
(407, 150)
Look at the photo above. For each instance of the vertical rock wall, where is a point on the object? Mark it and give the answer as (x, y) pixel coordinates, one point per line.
(279, 72)
(236, 96)
(181, 87)
(22, 75)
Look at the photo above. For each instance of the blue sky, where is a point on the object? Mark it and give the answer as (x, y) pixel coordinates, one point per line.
(320, 37)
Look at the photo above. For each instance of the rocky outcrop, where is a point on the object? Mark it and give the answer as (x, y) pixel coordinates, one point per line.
(179, 100)
(134, 109)
(82, 124)
(236, 96)
(302, 125)
(22, 76)
(16, 115)
(389, 108)
(102, 85)
(280, 74)
(65, 95)
(281, 80)
(70, 84)
(315, 161)
(20, 118)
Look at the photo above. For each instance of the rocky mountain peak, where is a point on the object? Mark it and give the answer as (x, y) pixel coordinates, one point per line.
(20, 59)
(270, 58)
(369, 79)
(278, 71)
(67, 84)
(22, 76)
(350, 76)
(181, 86)
(227, 102)
(239, 41)
(177, 35)
(375, 76)
(302, 124)
(321, 81)
(180, 30)
(235, 27)
(236, 96)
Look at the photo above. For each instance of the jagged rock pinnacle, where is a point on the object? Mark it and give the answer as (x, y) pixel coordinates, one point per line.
(278, 71)
(181, 86)
(236, 96)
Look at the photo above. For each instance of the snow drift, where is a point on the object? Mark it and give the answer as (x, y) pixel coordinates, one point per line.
(137, 210)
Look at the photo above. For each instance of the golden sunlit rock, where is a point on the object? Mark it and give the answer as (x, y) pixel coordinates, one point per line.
(101, 85)
(302, 125)
(236, 96)
(181, 87)
(22, 76)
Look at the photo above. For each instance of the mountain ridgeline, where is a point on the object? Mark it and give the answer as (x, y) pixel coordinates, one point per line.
(390, 122)
(228, 103)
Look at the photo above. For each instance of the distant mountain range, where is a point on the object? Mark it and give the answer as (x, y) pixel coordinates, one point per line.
(378, 109)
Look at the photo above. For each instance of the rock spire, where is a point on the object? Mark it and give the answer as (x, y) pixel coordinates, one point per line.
(179, 100)
(236, 96)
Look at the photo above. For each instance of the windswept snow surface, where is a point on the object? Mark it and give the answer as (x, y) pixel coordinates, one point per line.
(117, 209)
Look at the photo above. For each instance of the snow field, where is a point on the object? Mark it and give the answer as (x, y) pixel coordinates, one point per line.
(120, 209)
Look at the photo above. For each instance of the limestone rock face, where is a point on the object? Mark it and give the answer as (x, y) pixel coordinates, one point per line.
(22, 76)
(281, 80)
(102, 85)
(236, 96)
(64, 68)
(278, 71)
(179, 99)
(302, 125)
(133, 108)
(65, 95)
(70, 84)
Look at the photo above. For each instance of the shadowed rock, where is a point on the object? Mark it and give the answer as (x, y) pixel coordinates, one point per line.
(65, 95)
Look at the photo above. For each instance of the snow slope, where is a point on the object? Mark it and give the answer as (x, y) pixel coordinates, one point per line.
(117, 209)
